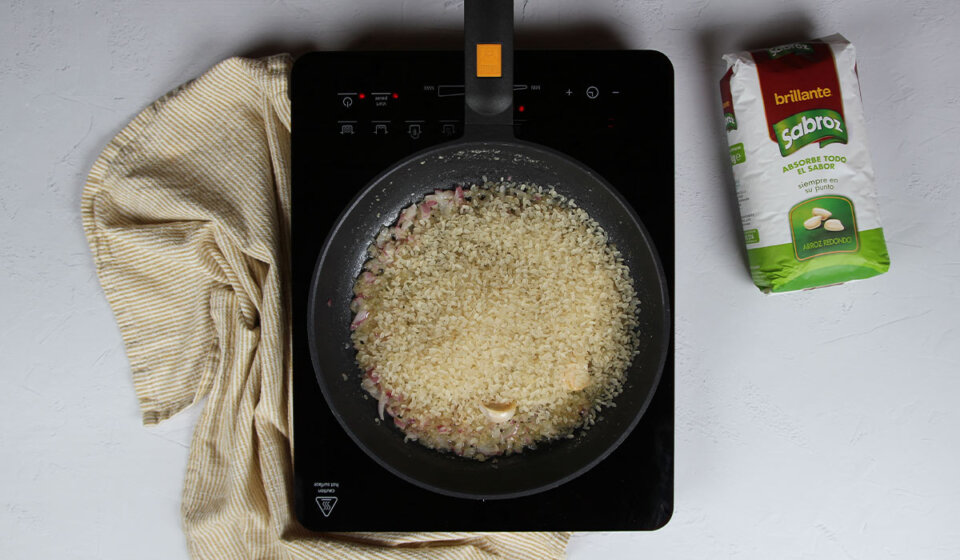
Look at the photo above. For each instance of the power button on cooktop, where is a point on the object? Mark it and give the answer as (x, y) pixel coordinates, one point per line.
(593, 92)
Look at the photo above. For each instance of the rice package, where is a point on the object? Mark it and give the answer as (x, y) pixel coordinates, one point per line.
(804, 181)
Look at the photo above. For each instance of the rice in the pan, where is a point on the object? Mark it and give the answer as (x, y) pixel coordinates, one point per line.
(493, 318)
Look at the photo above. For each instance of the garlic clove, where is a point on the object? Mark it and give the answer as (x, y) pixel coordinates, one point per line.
(499, 412)
(576, 376)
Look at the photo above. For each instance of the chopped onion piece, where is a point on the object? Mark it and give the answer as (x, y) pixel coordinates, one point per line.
(382, 403)
(359, 319)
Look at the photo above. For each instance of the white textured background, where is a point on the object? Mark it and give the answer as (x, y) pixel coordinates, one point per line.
(813, 425)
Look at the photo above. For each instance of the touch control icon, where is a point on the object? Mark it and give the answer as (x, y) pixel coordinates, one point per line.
(593, 92)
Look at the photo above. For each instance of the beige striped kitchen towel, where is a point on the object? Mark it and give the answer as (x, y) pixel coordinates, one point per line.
(187, 214)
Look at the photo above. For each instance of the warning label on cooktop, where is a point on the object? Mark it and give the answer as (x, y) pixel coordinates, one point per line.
(326, 504)
(327, 500)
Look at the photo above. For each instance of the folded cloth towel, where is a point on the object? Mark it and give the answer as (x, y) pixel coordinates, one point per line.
(187, 213)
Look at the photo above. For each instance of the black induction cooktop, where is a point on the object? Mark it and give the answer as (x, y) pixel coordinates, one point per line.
(355, 113)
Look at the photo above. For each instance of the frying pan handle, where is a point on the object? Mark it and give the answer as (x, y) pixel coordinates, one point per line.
(488, 83)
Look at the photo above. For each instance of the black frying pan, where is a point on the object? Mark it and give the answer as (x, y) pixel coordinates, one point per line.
(487, 149)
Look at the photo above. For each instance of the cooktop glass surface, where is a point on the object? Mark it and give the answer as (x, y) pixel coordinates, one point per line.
(356, 113)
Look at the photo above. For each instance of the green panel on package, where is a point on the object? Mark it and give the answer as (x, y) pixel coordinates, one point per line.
(814, 237)
(737, 154)
(776, 268)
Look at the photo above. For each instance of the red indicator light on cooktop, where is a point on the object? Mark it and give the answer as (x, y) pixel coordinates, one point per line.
(521, 108)
(362, 96)
(396, 96)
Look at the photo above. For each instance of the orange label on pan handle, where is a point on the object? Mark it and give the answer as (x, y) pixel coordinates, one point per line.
(488, 60)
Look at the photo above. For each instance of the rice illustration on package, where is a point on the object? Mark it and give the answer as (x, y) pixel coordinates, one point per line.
(803, 176)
